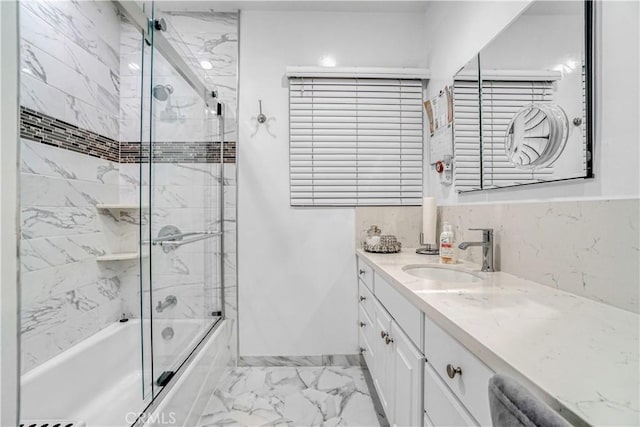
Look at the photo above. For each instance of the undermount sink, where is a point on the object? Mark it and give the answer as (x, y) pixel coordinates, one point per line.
(443, 274)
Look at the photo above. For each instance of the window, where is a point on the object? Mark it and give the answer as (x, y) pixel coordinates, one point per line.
(355, 141)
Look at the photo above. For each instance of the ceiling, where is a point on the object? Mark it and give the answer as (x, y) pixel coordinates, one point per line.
(295, 5)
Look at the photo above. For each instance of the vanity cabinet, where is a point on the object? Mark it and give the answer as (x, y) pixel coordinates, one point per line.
(444, 385)
(394, 361)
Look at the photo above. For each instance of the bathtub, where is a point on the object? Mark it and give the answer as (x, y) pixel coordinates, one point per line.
(99, 380)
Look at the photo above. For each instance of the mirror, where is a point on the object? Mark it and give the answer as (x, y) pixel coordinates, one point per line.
(525, 116)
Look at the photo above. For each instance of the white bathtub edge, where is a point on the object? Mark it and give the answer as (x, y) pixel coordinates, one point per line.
(184, 403)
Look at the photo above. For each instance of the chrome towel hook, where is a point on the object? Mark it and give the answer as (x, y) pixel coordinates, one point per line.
(261, 117)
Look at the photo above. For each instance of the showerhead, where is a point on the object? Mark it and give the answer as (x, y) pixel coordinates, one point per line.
(162, 92)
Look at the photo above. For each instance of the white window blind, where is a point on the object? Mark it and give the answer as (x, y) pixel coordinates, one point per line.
(466, 135)
(501, 100)
(355, 142)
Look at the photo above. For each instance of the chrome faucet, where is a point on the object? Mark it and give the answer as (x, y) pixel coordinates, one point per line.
(487, 247)
(169, 301)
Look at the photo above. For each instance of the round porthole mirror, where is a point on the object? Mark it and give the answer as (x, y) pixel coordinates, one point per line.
(536, 136)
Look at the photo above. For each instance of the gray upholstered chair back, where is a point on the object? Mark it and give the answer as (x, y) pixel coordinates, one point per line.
(512, 405)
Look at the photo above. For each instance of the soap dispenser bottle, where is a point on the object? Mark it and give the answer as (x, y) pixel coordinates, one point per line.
(446, 244)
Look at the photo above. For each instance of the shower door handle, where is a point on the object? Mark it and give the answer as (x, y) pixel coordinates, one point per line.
(176, 240)
(196, 238)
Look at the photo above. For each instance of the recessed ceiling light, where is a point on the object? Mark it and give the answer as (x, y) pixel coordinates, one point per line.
(328, 61)
(206, 65)
(133, 66)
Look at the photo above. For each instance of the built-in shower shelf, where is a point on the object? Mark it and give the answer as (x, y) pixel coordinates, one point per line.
(123, 256)
(120, 206)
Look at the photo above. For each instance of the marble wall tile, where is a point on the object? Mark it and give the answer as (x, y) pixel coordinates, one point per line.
(39, 96)
(57, 221)
(65, 307)
(185, 174)
(199, 36)
(39, 284)
(44, 191)
(42, 253)
(87, 116)
(65, 294)
(40, 159)
(73, 49)
(589, 248)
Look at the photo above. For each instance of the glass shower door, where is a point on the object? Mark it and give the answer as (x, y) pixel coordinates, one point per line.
(184, 287)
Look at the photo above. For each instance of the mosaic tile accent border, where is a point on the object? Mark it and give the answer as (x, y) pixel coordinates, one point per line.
(45, 129)
(177, 152)
(39, 127)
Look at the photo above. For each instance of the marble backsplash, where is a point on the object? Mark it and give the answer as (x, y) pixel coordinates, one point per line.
(405, 222)
(589, 248)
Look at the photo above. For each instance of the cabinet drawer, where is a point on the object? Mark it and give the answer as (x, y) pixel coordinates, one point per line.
(365, 299)
(471, 386)
(365, 273)
(441, 407)
(405, 314)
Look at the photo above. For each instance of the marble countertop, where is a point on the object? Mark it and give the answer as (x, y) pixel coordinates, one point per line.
(581, 356)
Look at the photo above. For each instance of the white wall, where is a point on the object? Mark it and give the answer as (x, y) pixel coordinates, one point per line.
(457, 30)
(463, 28)
(8, 216)
(297, 290)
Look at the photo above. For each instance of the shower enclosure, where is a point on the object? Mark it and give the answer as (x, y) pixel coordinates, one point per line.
(127, 205)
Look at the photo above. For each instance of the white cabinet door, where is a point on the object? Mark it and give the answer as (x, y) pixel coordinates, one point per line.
(407, 372)
(383, 379)
(365, 335)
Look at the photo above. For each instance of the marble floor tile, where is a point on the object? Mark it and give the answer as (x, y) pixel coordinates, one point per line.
(292, 396)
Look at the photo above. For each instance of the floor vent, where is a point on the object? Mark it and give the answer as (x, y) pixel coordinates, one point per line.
(52, 423)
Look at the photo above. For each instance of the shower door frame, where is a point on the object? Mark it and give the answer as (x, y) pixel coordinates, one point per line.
(158, 41)
(9, 228)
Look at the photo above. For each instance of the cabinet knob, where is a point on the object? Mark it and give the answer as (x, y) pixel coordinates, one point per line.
(362, 324)
(362, 350)
(362, 298)
(362, 271)
(451, 371)
(388, 339)
(383, 334)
